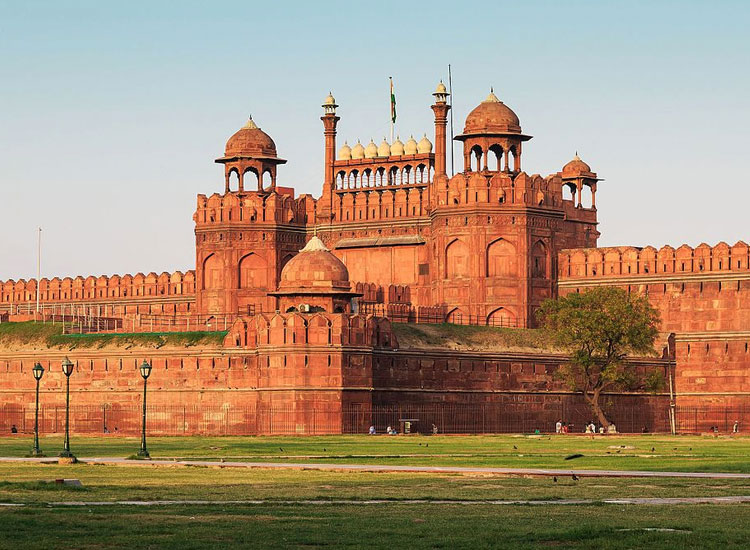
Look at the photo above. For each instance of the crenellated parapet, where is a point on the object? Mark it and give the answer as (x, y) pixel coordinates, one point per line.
(278, 207)
(628, 261)
(325, 330)
(99, 289)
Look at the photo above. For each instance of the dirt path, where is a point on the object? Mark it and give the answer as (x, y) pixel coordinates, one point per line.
(390, 468)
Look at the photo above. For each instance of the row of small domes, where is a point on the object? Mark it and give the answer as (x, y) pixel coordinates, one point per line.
(396, 149)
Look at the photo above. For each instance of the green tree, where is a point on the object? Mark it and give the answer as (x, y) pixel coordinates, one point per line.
(600, 328)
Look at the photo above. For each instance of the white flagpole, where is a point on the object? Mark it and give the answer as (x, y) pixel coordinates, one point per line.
(38, 265)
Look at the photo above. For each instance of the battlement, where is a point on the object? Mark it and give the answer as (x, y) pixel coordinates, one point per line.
(102, 288)
(317, 329)
(629, 261)
(276, 207)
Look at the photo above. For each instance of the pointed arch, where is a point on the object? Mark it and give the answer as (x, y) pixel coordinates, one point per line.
(457, 316)
(252, 271)
(212, 273)
(457, 255)
(501, 317)
(539, 260)
(501, 259)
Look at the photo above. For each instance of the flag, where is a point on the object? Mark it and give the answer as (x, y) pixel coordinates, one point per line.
(393, 103)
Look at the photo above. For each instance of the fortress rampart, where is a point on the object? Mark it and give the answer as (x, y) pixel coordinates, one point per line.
(703, 296)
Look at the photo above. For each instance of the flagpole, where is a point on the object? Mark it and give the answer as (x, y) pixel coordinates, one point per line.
(38, 265)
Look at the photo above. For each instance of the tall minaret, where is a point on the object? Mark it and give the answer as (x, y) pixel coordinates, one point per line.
(329, 119)
(440, 108)
(439, 186)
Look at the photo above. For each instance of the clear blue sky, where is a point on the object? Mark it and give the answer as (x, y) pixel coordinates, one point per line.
(111, 113)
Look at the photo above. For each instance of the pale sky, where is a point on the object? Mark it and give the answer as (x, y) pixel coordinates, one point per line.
(112, 113)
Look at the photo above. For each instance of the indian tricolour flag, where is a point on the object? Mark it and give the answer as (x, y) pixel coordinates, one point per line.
(393, 103)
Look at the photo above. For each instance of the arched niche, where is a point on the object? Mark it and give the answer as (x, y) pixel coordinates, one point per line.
(253, 272)
(457, 256)
(501, 259)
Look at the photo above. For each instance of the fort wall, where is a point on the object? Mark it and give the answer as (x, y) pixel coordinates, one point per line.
(703, 297)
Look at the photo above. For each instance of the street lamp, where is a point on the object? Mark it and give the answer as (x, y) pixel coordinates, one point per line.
(67, 368)
(37, 371)
(145, 372)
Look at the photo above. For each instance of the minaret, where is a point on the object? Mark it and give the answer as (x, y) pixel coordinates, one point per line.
(440, 108)
(329, 119)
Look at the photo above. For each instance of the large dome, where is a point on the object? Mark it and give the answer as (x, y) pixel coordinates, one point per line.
(315, 270)
(492, 116)
(250, 141)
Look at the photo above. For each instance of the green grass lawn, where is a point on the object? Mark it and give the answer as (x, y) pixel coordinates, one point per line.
(376, 526)
(681, 453)
(31, 483)
(340, 519)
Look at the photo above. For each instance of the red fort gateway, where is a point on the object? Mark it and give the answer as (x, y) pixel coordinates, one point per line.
(307, 287)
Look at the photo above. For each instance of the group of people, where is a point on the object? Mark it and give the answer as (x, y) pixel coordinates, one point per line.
(393, 431)
(564, 428)
(389, 431)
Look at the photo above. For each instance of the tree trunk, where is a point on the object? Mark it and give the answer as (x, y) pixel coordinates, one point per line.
(593, 400)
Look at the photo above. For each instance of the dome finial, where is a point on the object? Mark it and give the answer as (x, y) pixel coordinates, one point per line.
(250, 124)
(492, 98)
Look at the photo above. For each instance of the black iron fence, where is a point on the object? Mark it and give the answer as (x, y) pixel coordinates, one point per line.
(406, 313)
(630, 415)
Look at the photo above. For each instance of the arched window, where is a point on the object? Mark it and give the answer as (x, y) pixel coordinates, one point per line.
(494, 161)
(476, 158)
(267, 181)
(250, 179)
(233, 182)
(539, 260)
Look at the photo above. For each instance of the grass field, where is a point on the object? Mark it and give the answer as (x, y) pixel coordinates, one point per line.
(309, 508)
(681, 453)
(389, 526)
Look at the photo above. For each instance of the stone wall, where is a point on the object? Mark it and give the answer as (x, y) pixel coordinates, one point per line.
(703, 297)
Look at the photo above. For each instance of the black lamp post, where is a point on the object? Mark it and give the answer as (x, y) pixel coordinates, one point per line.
(145, 372)
(67, 368)
(38, 371)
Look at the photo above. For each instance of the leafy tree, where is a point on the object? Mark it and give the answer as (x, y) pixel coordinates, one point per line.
(600, 327)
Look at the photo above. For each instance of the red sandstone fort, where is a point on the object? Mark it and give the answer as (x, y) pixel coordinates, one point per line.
(307, 289)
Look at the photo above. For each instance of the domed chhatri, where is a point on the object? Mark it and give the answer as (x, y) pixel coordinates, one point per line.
(410, 147)
(424, 146)
(397, 148)
(317, 278)
(492, 116)
(345, 153)
(250, 140)
(250, 154)
(358, 151)
(576, 166)
(384, 149)
(371, 151)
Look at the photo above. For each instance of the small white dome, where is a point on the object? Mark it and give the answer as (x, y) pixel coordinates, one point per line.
(329, 100)
(358, 151)
(371, 151)
(424, 145)
(345, 153)
(397, 148)
(384, 149)
(410, 148)
(441, 89)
